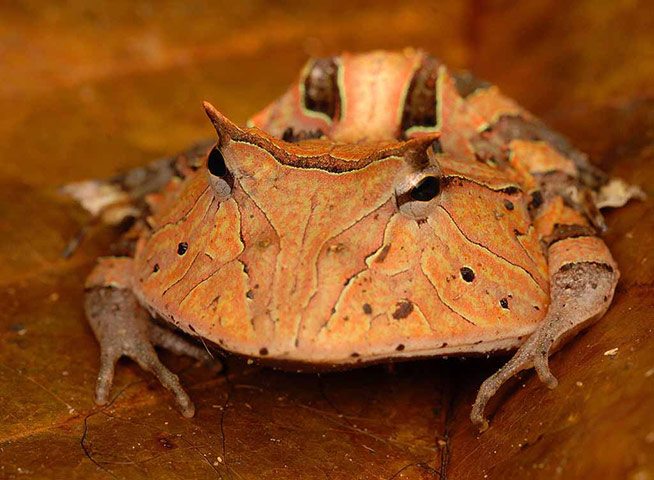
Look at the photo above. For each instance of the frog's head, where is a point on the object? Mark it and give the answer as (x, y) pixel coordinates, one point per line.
(342, 246)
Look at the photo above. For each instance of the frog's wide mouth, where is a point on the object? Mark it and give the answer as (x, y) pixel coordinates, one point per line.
(305, 363)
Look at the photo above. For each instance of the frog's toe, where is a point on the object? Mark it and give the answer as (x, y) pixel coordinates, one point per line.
(521, 360)
(108, 361)
(541, 365)
(123, 328)
(164, 338)
(148, 360)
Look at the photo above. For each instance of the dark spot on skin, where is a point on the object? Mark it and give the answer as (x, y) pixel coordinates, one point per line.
(156, 268)
(606, 298)
(504, 303)
(250, 294)
(536, 200)
(536, 307)
(436, 146)
(593, 285)
(403, 310)
(444, 345)
(346, 319)
(383, 254)
(182, 248)
(367, 309)
(354, 355)
(333, 311)
(511, 190)
(400, 347)
(263, 352)
(467, 274)
(508, 204)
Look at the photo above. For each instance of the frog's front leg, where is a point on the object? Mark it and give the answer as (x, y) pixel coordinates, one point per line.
(583, 276)
(123, 327)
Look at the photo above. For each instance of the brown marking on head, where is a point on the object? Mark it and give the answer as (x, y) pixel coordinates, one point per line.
(321, 154)
(403, 310)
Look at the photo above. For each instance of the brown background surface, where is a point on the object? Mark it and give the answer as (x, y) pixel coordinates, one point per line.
(87, 91)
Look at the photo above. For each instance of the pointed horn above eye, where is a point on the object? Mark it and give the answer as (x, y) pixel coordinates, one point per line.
(417, 149)
(225, 128)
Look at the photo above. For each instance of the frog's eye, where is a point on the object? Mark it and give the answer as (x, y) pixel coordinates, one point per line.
(220, 178)
(321, 92)
(418, 195)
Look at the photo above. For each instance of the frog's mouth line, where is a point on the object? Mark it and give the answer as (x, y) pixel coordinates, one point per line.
(502, 346)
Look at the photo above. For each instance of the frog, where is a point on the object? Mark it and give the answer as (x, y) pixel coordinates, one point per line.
(384, 208)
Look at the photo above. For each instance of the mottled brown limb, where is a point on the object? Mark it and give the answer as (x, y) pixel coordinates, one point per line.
(510, 127)
(580, 293)
(123, 328)
(124, 194)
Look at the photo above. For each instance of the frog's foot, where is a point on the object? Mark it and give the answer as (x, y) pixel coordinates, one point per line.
(580, 293)
(123, 327)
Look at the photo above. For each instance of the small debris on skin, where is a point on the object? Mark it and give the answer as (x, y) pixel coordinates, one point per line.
(611, 353)
(649, 373)
(580, 384)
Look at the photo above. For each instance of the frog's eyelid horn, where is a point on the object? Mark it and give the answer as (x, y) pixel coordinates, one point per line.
(417, 152)
(225, 128)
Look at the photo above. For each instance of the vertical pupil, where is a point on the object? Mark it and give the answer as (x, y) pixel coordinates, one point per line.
(216, 163)
(426, 189)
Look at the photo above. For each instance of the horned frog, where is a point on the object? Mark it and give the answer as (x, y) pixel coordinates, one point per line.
(383, 208)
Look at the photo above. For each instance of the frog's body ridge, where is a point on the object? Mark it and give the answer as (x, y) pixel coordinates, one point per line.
(384, 207)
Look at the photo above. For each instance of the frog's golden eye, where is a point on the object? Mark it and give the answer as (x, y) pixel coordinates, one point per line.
(418, 195)
(220, 178)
